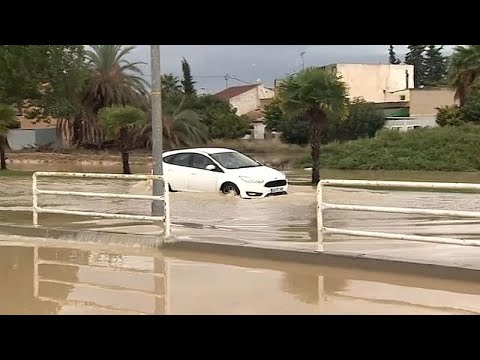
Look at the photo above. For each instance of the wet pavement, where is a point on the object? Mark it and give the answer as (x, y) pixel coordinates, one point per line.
(46, 277)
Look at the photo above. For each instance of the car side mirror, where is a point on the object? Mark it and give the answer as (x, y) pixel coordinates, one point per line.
(210, 167)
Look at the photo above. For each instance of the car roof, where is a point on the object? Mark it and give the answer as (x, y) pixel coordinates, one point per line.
(199, 150)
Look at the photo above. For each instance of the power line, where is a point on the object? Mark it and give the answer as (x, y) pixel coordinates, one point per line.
(227, 77)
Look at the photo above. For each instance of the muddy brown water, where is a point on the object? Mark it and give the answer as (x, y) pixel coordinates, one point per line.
(283, 218)
(43, 277)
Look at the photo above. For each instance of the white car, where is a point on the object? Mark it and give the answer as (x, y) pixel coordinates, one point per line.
(225, 170)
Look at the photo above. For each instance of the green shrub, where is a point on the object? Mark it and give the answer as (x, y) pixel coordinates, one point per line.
(443, 148)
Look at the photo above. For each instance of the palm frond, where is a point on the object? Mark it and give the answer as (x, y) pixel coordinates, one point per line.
(314, 90)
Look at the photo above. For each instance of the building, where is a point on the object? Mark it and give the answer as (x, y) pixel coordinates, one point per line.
(426, 101)
(422, 108)
(249, 100)
(376, 82)
(33, 133)
(257, 122)
(246, 98)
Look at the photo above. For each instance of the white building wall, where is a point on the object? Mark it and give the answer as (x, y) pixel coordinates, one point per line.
(246, 102)
(376, 83)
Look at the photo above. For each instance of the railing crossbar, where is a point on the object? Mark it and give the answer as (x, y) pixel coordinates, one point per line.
(100, 175)
(100, 214)
(102, 195)
(401, 184)
(393, 236)
(399, 210)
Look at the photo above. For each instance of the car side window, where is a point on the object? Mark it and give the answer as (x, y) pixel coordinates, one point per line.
(201, 161)
(182, 159)
(168, 159)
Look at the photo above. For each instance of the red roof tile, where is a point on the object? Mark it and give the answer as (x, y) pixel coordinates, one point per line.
(233, 91)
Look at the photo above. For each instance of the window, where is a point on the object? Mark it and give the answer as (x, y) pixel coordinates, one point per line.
(182, 159)
(234, 160)
(168, 159)
(402, 97)
(200, 161)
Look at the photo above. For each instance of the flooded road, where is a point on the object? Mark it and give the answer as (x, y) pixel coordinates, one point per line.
(283, 218)
(40, 277)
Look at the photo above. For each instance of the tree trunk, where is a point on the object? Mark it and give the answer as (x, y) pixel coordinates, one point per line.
(3, 160)
(126, 162)
(317, 122)
(77, 130)
(124, 151)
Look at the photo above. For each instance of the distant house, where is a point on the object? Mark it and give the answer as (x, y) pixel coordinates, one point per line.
(257, 121)
(33, 133)
(249, 100)
(246, 98)
(422, 108)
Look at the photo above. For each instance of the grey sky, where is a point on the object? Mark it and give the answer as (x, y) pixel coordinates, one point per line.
(264, 62)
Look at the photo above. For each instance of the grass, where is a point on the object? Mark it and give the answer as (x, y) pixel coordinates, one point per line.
(15, 173)
(436, 149)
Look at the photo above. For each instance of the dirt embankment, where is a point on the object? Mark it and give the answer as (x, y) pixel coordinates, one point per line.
(86, 158)
(140, 161)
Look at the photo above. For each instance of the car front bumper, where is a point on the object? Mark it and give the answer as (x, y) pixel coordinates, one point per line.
(258, 191)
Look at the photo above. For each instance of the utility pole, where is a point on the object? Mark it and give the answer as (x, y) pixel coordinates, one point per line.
(157, 129)
(226, 80)
(303, 60)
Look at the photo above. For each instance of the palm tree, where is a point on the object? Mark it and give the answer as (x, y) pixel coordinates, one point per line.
(170, 83)
(184, 128)
(7, 120)
(464, 71)
(76, 121)
(119, 122)
(108, 79)
(181, 127)
(318, 96)
(112, 79)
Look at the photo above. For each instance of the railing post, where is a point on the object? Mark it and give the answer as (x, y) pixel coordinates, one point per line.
(166, 204)
(35, 199)
(320, 217)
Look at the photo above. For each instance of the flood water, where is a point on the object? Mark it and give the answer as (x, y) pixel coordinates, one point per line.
(58, 278)
(283, 218)
(43, 277)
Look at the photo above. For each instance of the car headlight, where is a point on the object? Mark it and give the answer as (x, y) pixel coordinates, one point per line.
(250, 180)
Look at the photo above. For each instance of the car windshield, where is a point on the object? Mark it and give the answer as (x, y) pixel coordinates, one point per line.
(234, 160)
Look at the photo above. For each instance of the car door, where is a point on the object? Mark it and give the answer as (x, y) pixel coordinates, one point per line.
(201, 179)
(177, 169)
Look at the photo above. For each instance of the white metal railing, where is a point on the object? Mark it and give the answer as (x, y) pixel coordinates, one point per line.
(322, 206)
(165, 198)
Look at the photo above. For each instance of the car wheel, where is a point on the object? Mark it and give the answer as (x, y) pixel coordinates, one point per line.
(230, 189)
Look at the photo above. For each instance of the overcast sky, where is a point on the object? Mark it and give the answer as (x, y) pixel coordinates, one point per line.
(253, 62)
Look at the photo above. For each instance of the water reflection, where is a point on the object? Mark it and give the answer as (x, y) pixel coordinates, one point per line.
(59, 280)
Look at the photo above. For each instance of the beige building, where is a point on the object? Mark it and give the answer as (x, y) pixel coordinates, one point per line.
(376, 82)
(426, 101)
(246, 98)
(423, 108)
(250, 100)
